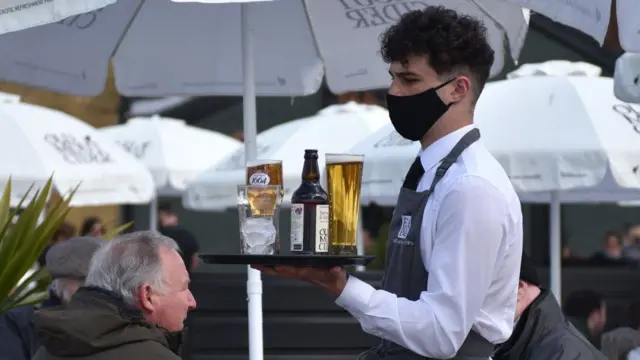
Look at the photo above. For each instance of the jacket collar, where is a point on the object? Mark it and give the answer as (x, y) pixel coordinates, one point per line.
(542, 315)
(174, 340)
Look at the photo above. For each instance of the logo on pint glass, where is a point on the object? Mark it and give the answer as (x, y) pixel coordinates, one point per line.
(259, 179)
(405, 227)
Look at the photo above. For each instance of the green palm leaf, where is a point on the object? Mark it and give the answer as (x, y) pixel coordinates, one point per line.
(22, 242)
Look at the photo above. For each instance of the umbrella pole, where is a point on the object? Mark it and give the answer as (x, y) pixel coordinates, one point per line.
(360, 241)
(254, 283)
(153, 214)
(555, 246)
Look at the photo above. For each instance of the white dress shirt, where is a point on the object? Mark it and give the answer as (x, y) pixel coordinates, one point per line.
(471, 245)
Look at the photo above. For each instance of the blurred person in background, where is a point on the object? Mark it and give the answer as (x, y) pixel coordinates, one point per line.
(133, 305)
(169, 225)
(612, 252)
(619, 342)
(64, 232)
(92, 226)
(612, 246)
(68, 265)
(631, 246)
(587, 311)
(541, 331)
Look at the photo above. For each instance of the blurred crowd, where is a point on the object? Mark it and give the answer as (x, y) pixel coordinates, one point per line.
(619, 249)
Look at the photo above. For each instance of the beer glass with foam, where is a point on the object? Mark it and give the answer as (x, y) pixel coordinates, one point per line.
(344, 179)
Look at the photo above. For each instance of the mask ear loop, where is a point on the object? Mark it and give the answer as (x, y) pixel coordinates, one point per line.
(443, 85)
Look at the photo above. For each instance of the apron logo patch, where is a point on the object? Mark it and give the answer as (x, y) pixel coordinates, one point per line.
(405, 227)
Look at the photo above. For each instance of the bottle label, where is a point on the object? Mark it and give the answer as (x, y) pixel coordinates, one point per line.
(322, 228)
(259, 178)
(297, 227)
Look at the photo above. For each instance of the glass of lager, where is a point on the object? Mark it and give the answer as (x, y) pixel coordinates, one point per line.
(344, 179)
(267, 172)
(258, 208)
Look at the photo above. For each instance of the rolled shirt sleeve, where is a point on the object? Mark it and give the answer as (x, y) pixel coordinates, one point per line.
(471, 227)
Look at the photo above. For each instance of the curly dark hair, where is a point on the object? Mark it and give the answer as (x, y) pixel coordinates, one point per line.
(454, 43)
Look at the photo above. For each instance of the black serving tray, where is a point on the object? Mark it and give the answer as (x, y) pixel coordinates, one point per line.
(324, 261)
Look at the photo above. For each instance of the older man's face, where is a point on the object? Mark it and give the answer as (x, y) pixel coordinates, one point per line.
(169, 310)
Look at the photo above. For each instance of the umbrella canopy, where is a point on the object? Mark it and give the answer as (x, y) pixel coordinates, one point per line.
(627, 78)
(295, 44)
(335, 129)
(37, 142)
(173, 151)
(594, 18)
(568, 135)
(22, 14)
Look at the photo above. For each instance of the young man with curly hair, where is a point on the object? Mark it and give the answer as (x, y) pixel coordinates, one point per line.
(455, 240)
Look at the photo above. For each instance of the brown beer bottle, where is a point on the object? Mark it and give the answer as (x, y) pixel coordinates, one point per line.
(310, 211)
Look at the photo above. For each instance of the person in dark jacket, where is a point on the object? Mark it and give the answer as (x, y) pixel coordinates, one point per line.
(169, 225)
(541, 331)
(68, 264)
(587, 311)
(133, 306)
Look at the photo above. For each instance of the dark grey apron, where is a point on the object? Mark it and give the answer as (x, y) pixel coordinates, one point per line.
(404, 273)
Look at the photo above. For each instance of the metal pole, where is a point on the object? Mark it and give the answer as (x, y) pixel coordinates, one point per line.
(555, 246)
(254, 283)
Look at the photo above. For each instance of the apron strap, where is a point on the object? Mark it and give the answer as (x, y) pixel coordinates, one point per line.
(466, 141)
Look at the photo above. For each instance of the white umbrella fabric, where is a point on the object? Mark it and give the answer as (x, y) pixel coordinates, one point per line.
(37, 142)
(593, 17)
(335, 129)
(23, 14)
(627, 78)
(296, 41)
(173, 151)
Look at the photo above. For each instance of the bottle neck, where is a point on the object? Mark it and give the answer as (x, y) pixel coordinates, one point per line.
(310, 170)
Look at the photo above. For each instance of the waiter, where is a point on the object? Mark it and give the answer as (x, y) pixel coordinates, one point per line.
(455, 239)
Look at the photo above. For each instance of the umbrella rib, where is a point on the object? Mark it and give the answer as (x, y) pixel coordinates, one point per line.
(126, 29)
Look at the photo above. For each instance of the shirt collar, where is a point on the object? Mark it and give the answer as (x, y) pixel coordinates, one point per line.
(435, 152)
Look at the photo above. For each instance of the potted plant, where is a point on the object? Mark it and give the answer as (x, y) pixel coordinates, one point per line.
(22, 240)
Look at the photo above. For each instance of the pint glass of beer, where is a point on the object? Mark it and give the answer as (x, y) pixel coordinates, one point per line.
(344, 179)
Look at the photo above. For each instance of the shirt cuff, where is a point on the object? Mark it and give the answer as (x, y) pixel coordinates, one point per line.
(355, 296)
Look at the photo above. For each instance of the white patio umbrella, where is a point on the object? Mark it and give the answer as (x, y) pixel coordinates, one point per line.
(36, 142)
(335, 129)
(568, 140)
(296, 41)
(173, 151)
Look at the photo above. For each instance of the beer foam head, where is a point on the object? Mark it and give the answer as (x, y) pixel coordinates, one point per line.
(259, 162)
(343, 158)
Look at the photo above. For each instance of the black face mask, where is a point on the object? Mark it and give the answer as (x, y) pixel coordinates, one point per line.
(413, 115)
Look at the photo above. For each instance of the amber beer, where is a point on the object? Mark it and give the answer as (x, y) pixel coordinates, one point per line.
(265, 172)
(344, 179)
(310, 211)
